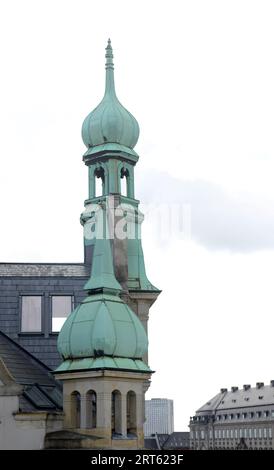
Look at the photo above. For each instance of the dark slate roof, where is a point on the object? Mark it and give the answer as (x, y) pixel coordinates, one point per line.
(162, 439)
(177, 440)
(151, 443)
(44, 270)
(40, 390)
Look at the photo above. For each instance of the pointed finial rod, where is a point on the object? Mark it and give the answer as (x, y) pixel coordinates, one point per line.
(109, 56)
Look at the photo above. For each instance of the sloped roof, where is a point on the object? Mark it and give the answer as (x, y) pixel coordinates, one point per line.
(40, 391)
(240, 398)
(213, 403)
(151, 443)
(44, 270)
(162, 439)
(177, 440)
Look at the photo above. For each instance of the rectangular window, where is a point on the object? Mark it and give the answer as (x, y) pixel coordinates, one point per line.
(196, 435)
(216, 434)
(220, 433)
(272, 413)
(223, 433)
(241, 433)
(231, 433)
(245, 432)
(265, 433)
(236, 433)
(250, 433)
(61, 307)
(227, 433)
(260, 433)
(255, 433)
(210, 434)
(31, 315)
(270, 433)
(202, 434)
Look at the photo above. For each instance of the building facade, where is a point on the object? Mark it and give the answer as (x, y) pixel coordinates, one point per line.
(35, 300)
(30, 398)
(159, 416)
(236, 419)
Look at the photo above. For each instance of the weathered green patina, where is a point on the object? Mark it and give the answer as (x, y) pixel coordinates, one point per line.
(110, 133)
(110, 121)
(102, 332)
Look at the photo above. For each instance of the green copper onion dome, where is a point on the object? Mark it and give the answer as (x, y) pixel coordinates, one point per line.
(103, 325)
(110, 122)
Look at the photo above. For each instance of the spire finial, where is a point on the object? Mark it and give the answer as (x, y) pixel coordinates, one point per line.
(109, 56)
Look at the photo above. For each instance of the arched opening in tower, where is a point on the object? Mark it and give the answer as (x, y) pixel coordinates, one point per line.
(75, 400)
(116, 413)
(124, 182)
(99, 175)
(131, 413)
(91, 409)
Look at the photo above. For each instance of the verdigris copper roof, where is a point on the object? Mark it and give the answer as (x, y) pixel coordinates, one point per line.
(102, 332)
(43, 270)
(39, 389)
(110, 123)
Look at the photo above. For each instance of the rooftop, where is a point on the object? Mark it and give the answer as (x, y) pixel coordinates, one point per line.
(44, 270)
(248, 396)
(39, 390)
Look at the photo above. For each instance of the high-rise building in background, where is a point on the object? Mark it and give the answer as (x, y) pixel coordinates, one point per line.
(159, 416)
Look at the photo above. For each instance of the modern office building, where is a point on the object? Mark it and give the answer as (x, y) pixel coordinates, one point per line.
(159, 416)
(236, 419)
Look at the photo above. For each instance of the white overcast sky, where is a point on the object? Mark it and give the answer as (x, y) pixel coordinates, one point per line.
(198, 76)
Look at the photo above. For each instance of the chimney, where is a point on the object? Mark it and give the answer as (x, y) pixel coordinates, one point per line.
(223, 390)
(246, 387)
(234, 389)
(271, 383)
(259, 384)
